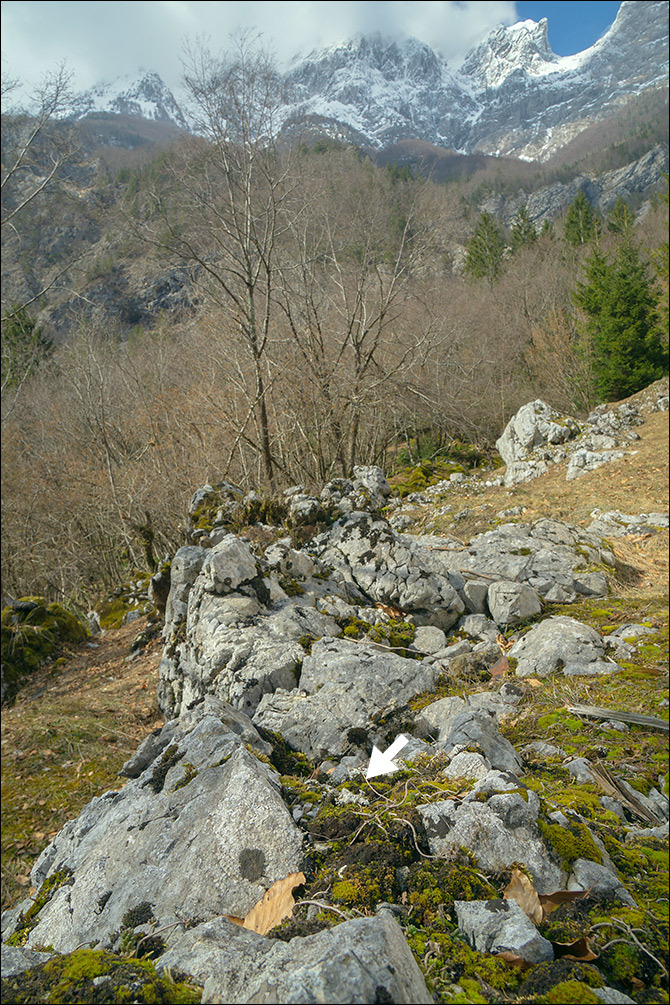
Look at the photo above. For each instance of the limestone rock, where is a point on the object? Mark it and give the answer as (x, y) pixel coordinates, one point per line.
(511, 603)
(583, 461)
(365, 960)
(342, 685)
(598, 879)
(560, 643)
(498, 832)
(202, 831)
(16, 960)
(478, 726)
(613, 523)
(184, 569)
(534, 424)
(386, 568)
(497, 926)
(429, 639)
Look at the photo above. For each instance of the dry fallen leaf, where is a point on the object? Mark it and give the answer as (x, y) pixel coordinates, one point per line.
(537, 906)
(504, 643)
(533, 681)
(579, 950)
(524, 893)
(551, 900)
(276, 904)
(513, 960)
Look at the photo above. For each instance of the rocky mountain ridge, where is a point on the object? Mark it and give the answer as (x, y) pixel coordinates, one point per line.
(282, 666)
(511, 96)
(143, 95)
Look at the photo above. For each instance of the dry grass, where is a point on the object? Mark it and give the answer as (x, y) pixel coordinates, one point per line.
(64, 740)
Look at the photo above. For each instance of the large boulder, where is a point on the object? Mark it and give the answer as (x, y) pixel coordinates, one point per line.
(368, 491)
(521, 446)
(383, 567)
(511, 603)
(184, 570)
(564, 644)
(550, 556)
(237, 643)
(500, 831)
(360, 961)
(201, 831)
(478, 727)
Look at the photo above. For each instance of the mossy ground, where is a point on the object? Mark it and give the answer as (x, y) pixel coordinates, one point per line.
(94, 976)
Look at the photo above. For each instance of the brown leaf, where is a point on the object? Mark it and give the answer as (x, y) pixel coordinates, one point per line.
(391, 610)
(537, 906)
(524, 893)
(551, 900)
(23, 880)
(500, 668)
(579, 950)
(504, 643)
(276, 904)
(533, 681)
(513, 960)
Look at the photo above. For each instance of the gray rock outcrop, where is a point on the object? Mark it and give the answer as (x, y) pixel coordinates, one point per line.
(537, 436)
(342, 684)
(498, 926)
(366, 960)
(500, 831)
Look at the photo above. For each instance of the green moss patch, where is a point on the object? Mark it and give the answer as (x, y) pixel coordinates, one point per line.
(33, 632)
(27, 921)
(570, 842)
(95, 976)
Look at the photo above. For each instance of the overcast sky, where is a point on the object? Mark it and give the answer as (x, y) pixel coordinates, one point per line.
(102, 40)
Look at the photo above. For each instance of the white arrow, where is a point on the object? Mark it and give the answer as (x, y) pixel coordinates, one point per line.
(382, 763)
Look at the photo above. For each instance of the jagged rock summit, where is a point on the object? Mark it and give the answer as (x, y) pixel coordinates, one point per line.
(512, 95)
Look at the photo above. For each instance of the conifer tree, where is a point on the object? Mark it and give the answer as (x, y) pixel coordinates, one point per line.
(619, 300)
(486, 249)
(523, 230)
(620, 219)
(24, 348)
(581, 222)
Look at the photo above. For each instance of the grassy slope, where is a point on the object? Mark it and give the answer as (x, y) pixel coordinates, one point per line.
(64, 740)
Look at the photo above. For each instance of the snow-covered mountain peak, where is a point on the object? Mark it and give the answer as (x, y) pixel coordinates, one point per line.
(143, 94)
(523, 46)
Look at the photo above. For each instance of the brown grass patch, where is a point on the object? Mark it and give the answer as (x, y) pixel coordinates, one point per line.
(64, 740)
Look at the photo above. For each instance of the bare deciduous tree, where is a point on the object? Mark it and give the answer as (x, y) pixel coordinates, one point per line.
(223, 209)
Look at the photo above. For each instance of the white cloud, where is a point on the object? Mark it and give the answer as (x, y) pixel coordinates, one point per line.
(102, 40)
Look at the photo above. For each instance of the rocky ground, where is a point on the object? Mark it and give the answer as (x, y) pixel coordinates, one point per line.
(519, 851)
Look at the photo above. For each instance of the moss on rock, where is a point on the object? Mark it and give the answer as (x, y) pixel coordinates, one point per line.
(26, 922)
(88, 975)
(33, 632)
